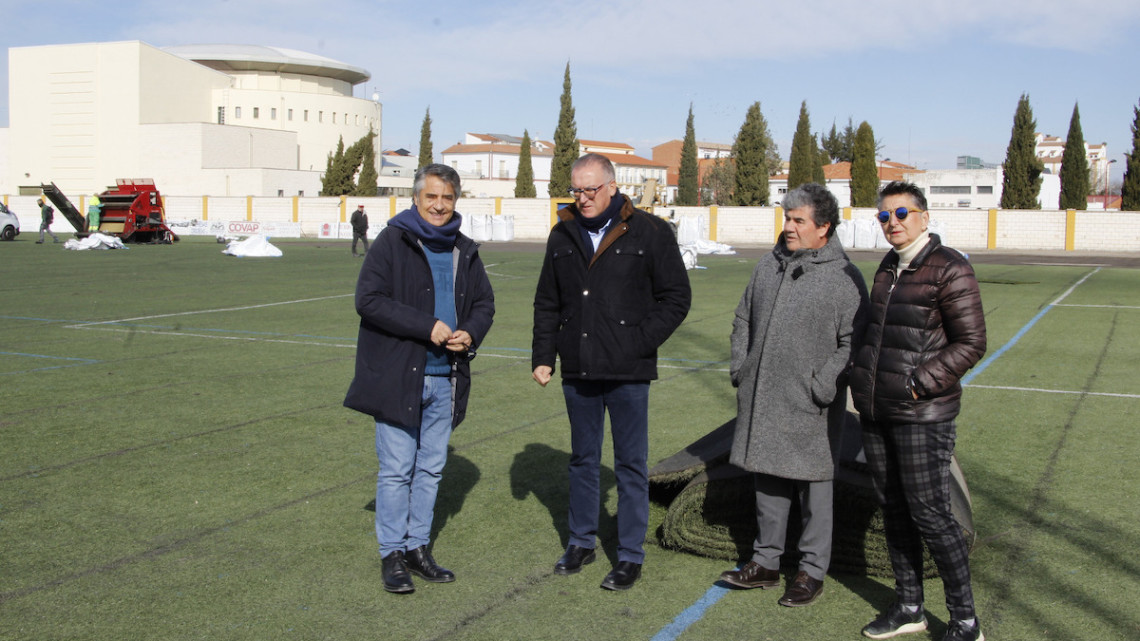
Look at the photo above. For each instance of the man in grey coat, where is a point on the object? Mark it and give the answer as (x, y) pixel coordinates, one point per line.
(791, 350)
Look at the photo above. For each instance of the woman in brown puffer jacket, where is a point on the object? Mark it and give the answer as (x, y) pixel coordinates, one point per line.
(925, 330)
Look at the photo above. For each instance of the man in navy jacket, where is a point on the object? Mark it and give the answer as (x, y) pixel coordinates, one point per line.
(425, 304)
(613, 287)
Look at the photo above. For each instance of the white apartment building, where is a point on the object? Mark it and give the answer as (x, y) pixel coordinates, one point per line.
(482, 159)
(1050, 149)
(218, 120)
(496, 157)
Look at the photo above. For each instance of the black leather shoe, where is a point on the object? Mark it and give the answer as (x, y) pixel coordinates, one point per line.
(573, 560)
(804, 590)
(421, 564)
(623, 576)
(752, 575)
(395, 571)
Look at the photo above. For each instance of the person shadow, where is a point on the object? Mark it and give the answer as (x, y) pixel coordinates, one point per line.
(541, 470)
(459, 477)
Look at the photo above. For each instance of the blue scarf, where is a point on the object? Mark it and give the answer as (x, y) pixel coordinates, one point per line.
(438, 239)
(603, 219)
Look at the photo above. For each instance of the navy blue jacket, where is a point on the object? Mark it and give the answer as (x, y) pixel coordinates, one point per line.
(606, 317)
(396, 301)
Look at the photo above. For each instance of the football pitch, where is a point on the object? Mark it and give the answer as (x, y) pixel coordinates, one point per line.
(177, 463)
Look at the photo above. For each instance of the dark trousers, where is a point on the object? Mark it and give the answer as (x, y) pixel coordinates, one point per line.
(628, 405)
(910, 468)
(363, 237)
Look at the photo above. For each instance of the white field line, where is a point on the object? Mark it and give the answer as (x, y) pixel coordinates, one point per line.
(1053, 391)
(207, 311)
(1074, 287)
(1101, 306)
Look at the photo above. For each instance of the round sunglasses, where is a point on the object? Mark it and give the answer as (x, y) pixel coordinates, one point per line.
(901, 213)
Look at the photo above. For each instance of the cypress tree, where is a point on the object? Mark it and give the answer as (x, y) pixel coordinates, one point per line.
(864, 173)
(1021, 182)
(817, 175)
(426, 154)
(524, 179)
(350, 162)
(1074, 167)
(803, 154)
(565, 143)
(366, 182)
(1130, 190)
(334, 170)
(751, 153)
(688, 178)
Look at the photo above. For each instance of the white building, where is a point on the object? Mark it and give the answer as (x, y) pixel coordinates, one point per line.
(496, 157)
(1050, 149)
(959, 188)
(220, 120)
(488, 164)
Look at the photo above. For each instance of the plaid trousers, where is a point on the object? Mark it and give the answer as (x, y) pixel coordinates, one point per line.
(910, 468)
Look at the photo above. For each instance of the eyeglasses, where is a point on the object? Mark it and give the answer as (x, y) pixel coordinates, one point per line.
(589, 191)
(901, 213)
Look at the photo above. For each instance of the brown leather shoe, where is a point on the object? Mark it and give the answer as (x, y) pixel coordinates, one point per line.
(752, 575)
(804, 590)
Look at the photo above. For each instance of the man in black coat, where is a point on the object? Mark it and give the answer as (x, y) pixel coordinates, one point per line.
(613, 288)
(425, 304)
(359, 221)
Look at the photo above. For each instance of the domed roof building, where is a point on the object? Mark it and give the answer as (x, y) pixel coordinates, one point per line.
(216, 120)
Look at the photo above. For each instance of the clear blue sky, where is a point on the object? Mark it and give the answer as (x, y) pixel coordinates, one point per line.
(935, 78)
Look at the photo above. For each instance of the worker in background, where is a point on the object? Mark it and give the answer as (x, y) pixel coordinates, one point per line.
(47, 215)
(359, 221)
(94, 213)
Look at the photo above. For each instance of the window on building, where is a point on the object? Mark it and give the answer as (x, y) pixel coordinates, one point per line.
(306, 115)
(949, 189)
(479, 168)
(320, 116)
(985, 189)
(237, 112)
(256, 112)
(334, 117)
(280, 193)
(289, 114)
(221, 115)
(273, 113)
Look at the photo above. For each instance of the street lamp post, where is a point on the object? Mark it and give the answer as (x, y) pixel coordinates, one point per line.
(1107, 175)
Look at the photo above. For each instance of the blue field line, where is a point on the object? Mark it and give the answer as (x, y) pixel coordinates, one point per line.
(694, 612)
(75, 362)
(981, 367)
(691, 615)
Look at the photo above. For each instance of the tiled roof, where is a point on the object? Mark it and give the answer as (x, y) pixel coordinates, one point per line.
(842, 171)
(498, 147)
(631, 160)
(603, 143)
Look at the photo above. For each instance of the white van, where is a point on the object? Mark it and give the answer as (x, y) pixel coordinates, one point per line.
(9, 224)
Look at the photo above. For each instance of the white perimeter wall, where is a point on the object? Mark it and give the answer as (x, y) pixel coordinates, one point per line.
(530, 219)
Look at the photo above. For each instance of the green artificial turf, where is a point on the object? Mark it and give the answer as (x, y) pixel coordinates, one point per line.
(177, 464)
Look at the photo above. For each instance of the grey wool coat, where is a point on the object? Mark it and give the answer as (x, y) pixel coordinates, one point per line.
(792, 341)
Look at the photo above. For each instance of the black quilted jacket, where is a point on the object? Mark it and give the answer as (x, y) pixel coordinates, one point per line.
(926, 329)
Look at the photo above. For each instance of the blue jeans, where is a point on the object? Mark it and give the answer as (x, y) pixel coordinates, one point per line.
(411, 463)
(628, 405)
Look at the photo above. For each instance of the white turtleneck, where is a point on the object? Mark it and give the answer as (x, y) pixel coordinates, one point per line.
(907, 253)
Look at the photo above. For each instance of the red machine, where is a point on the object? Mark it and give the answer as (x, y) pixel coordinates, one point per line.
(132, 210)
